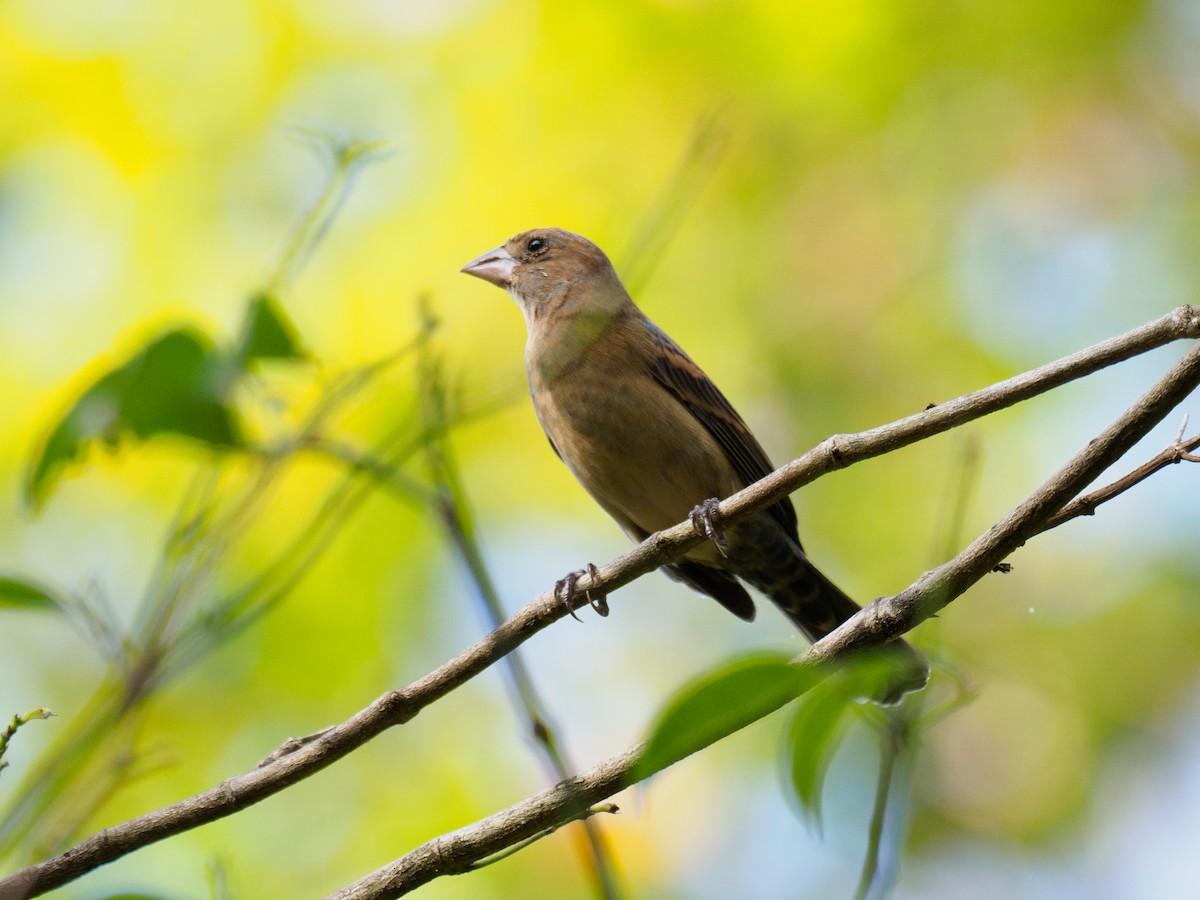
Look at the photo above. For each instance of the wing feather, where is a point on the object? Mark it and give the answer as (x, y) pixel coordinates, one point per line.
(676, 372)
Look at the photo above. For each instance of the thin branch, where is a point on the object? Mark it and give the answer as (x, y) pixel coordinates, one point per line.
(931, 592)
(1086, 505)
(886, 618)
(19, 720)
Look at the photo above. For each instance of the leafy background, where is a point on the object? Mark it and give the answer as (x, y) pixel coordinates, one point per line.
(876, 205)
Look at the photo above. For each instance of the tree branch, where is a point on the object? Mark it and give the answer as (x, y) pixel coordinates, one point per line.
(931, 592)
(886, 618)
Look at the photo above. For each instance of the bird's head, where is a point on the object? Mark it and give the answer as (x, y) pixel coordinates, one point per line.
(552, 271)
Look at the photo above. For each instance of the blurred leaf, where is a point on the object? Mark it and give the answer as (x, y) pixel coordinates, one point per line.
(177, 384)
(21, 593)
(268, 333)
(177, 388)
(878, 673)
(718, 704)
(815, 734)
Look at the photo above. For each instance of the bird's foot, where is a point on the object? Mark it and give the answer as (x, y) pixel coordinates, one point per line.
(564, 590)
(708, 522)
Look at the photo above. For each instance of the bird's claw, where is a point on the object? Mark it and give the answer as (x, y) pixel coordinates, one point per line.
(706, 519)
(564, 590)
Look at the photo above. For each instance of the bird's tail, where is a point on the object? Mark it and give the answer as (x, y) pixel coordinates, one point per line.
(817, 606)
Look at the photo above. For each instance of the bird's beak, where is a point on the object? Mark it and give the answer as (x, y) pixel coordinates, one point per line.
(495, 266)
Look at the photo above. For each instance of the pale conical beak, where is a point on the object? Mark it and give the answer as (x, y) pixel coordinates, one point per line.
(495, 266)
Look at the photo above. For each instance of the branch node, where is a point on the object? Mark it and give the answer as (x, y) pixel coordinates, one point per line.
(839, 450)
(1191, 320)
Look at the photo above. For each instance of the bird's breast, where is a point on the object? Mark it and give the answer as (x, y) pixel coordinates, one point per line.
(636, 449)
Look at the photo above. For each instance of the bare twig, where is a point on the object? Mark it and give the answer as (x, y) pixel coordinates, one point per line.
(880, 620)
(1179, 451)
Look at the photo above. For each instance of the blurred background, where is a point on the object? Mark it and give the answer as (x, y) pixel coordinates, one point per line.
(843, 211)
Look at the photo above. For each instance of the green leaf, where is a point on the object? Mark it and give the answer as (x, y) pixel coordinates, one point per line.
(814, 736)
(176, 384)
(718, 704)
(268, 333)
(22, 593)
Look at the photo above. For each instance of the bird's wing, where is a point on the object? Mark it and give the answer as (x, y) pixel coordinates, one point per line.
(687, 382)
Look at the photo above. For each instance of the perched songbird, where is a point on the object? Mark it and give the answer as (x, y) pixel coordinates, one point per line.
(653, 440)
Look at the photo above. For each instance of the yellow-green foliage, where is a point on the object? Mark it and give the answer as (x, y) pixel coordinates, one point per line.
(844, 211)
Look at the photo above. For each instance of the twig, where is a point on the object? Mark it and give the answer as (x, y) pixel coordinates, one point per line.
(1179, 451)
(19, 720)
(587, 816)
(884, 618)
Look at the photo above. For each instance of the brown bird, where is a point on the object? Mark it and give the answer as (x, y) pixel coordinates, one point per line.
(653, 440)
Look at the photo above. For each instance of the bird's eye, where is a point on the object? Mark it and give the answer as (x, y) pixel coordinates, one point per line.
(536, 245)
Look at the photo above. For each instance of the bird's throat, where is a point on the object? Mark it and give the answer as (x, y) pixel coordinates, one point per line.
(559, 344)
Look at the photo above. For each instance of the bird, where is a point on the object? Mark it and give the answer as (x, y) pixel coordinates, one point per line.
(655, 442)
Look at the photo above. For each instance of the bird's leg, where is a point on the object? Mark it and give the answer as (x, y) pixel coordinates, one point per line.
(564, 590)
(706, 519)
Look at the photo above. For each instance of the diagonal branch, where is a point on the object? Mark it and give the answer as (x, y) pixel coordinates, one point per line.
(400, 706)
(886, 618)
